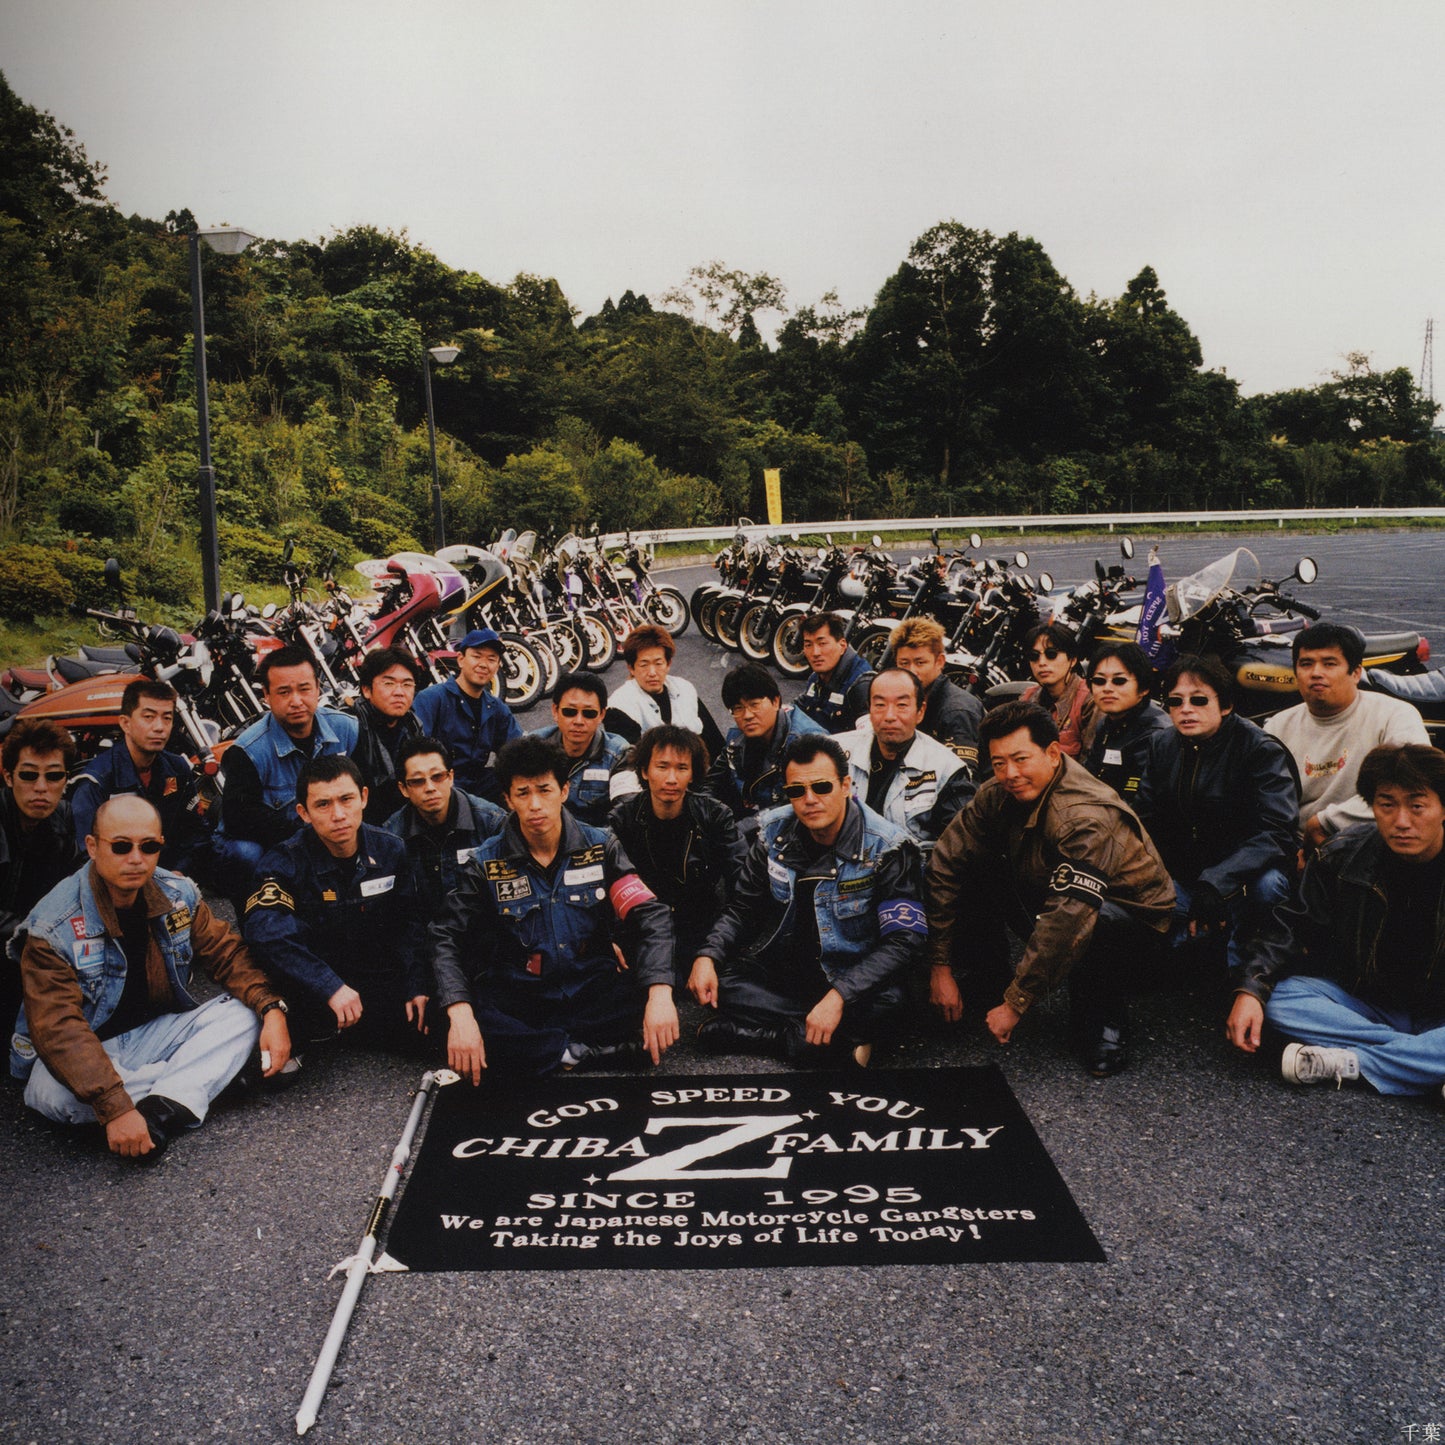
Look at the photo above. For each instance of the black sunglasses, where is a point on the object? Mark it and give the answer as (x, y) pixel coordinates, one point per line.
(1050, 652)
(33, 775)
(1195, 699)
(1118, 679)
(821, 788)
(121, 846)
(587, 712)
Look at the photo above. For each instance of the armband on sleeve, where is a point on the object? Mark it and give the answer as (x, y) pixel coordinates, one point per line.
(270, 895)
(901, 915)
(627, 893)
(1078, 881)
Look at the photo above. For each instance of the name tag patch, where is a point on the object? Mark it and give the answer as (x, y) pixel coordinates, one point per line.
(591, 874)
(855, 885)
(373, 886)
(509, 890)
(177, 920)
(464, 855)
(777, 871)
(920, 779)
(498, 868)
(596, 775)
(1113, 758)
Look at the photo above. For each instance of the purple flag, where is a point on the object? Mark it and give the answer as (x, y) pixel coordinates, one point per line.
(1152, 614)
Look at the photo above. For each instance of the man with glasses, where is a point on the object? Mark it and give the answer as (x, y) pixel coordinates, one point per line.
(1051, 651)
(111, 1033)
(950, 715)
(747, 774)
(1121, 680)
(140, 764)
(37, 841)
(1051, 853)
(837, 692)
(468, 716)
(807, 961)
(1220, 799)
(901, 773)
(385, 722)
(652, 695)
(337, 922)
(440, 824)
(578, 702)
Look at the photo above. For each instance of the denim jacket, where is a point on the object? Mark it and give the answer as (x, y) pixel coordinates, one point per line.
(437, 854)
(589, 799)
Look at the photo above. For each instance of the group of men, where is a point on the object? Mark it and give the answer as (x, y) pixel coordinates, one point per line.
(418, 874)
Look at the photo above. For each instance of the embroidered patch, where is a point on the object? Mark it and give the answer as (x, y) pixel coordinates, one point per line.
(498, 868)
(777, 871)
(855, 885)
(270, 895)
(171, 786)
(328, 895)
(178, 919)
(1075, 881)
(585, 856)
(509, 890)
(919, 780)
(628, 892)
(89, 950)
(583, 875)
(596, 775)
(901, 915)
(373, 886)
(466, 855)
(1113, 758)
(77, 926)
(964, 754)
(837, 699)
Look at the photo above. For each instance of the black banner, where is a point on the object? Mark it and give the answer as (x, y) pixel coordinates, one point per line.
(926, 1166)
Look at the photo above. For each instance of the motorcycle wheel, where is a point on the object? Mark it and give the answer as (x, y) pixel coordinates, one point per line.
(667, 607)
(597, 635)
(788, 655)
(699, 596)
(872, 645)
(551, 670)
(706, 613)
(725, 620)
(567, 645)
(523, 674)
(755, 632)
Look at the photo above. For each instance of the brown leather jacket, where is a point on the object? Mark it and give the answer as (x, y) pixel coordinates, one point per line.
(1076, 848)
(56, 1010)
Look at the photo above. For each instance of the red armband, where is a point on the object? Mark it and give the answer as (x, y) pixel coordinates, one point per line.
(627, 893)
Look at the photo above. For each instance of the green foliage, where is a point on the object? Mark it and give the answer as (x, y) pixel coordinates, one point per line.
(248, 555)
(32, 584)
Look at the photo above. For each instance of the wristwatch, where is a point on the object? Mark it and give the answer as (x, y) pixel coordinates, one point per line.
(266, 1008)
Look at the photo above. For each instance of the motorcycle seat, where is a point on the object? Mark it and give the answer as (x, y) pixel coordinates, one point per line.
(77, 669)
(33, 679)
(1384, 644)
(112, 656)
(1419, 688)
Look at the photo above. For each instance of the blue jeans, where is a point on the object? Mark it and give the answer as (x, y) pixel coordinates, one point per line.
(185, 1057)
(1399, 1052)
(1245, 912)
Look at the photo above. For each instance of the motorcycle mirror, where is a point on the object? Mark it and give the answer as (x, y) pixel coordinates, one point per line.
(112, 572)
(1030, 583)
(877, 540)
(268, 611)
(933, 537)
(1021, 559)
(132, 651)
(975, 541)
(286, 552)
(1046, 581)
(1306, 569)
(1099, 570)
(795, 537)
(1126, 549)
(237, 604)
(822, 554)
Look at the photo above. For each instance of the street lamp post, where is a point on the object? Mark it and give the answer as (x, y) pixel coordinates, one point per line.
(443, 356)
(226, 241)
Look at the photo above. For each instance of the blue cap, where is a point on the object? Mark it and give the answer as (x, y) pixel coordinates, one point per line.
(481, 637)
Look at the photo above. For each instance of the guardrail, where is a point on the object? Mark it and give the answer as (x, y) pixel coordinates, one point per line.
(1058, 521)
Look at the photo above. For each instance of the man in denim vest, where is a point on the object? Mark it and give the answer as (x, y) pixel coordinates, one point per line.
(110, 1033)
(808, 958)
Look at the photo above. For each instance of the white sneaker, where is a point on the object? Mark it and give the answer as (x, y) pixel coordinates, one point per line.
(1313, 1064)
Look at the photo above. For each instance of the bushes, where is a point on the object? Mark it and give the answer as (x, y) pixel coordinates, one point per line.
(249, 556)
(31, 584)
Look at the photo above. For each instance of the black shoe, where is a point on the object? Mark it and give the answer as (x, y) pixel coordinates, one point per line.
(723, 1035)
(581, 1057)
(165, 1119)
(1106, 1051)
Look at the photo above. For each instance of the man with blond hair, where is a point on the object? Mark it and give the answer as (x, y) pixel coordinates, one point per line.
(950, 715)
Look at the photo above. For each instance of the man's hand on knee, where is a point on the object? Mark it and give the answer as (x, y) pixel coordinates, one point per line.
(1246, 1020)
(345, 1003)
(129, 1135)
(823, 1020)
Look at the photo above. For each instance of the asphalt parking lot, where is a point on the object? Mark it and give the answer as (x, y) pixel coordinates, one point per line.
(1274, 1260)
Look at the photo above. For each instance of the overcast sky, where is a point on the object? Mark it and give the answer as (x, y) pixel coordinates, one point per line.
(1278, 164)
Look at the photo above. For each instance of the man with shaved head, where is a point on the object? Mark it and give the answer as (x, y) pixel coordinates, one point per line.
(110, 1033)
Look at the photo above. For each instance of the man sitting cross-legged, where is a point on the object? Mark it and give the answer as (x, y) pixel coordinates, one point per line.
(525, 957)
(110, 1033)
(808, 958)
(1351, 972)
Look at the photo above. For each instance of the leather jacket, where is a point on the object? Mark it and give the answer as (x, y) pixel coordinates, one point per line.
(836, 702)
(32, 861)
(951, 716)
(375, 759)
(1223, 810)
(589, 781)
(437, 854)
(1120, 752)
(750, 792)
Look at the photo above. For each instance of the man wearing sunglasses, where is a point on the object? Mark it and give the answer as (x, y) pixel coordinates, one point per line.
(37, 841)
(1220, 799)
(1048, 851)
(807, 961)
(1051, 651)
(111, 1033)
(578, 703)
(440, 823)
(1121, 679)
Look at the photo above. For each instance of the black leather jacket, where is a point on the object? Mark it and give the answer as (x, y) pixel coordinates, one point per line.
(698, 883)
(374, 758)
(32, 861)
(1223, 810)
(951, 716)
(1119, 755)
(1332, 929)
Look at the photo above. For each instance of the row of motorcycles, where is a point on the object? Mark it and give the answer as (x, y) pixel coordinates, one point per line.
(986, 606)
(556, 608)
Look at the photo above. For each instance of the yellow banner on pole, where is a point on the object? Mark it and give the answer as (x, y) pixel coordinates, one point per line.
(773, 481)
